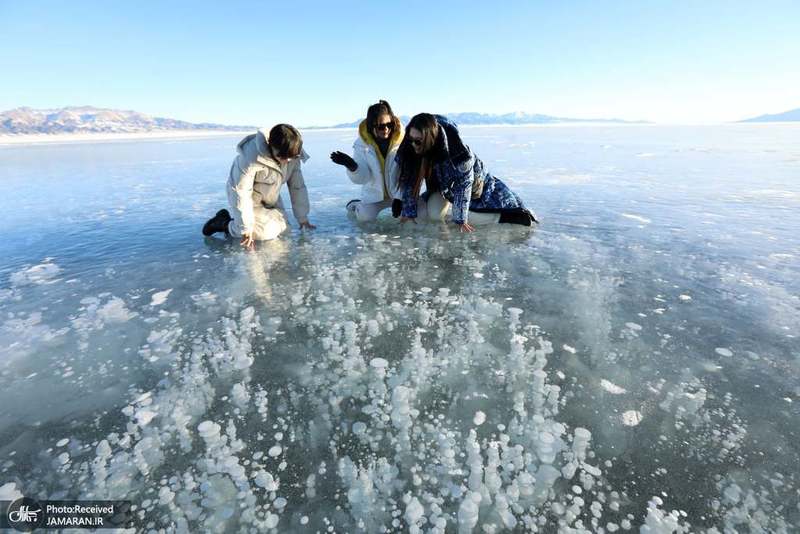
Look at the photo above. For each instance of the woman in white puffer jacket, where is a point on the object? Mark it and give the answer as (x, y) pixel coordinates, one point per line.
(373, 164)
(263, 164)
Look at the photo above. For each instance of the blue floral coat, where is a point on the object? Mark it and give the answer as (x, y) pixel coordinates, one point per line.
(456, 174)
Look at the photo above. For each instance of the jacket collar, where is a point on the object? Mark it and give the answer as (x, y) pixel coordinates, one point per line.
(394, 141)
(449, 145)
(369, 139)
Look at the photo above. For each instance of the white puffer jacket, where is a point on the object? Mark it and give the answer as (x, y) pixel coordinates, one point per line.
(256, 179)
(377, 176)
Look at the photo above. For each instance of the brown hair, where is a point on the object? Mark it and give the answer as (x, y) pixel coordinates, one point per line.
(411, 165)
(285, 141)
(382, 107)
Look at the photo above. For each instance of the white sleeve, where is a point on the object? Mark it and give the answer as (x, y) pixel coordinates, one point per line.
(243, 191)
(362, 174)
(298, 194)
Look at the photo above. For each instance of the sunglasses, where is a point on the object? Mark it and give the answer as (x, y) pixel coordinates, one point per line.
(384, 126)
(415, 142)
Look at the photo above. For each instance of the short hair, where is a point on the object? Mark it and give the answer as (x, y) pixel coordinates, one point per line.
(285, 141)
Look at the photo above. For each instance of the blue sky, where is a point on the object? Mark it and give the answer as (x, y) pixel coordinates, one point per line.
(317, 63)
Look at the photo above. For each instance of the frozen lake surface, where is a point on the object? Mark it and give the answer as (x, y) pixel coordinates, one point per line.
(631, 365)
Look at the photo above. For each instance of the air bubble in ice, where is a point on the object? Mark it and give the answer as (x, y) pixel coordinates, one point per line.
(160, 298)
(378, 363)
(631, 418)
(611, 387)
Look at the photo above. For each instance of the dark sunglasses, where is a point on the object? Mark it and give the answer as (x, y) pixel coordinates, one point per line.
(415, 142)
(384, 126)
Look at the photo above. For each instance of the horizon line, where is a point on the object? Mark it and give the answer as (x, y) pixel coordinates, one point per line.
(557, 119)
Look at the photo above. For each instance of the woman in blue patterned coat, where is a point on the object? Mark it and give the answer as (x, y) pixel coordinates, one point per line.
(433, 152)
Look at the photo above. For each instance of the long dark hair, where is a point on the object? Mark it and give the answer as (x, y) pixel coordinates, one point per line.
(382, 107)
(410, 162)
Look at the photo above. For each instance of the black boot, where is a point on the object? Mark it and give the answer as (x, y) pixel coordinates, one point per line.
(217, 223)
(519, 216)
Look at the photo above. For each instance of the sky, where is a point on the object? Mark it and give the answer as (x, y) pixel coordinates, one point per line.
(320, 63)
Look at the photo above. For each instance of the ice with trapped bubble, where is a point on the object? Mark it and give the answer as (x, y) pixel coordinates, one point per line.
(629, 366)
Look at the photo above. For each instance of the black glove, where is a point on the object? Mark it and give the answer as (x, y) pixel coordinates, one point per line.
(340, 158)
(397, 207)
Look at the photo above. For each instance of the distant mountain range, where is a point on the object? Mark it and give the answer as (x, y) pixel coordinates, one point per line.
(87, 119)
(786, 116)
(518, 117)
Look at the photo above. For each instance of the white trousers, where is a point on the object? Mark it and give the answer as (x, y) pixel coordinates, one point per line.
(269, 222)
(439, 208)
(368, 211)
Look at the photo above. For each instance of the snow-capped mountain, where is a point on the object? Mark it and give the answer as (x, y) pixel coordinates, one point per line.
(793, 115)
(517, 117)
(87, 119)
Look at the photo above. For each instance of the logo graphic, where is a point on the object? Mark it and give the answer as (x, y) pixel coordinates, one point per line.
(25, 514)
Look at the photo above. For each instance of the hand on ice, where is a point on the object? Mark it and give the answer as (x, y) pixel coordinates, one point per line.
(248, 242)
(308, 225)
(466, 227)
(340, 158)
